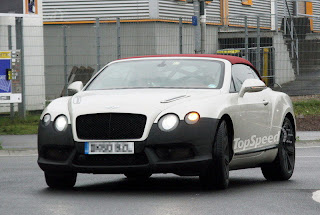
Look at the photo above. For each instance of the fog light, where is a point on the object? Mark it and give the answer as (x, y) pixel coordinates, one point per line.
(174, 153)
(56, 154)
(192, 118)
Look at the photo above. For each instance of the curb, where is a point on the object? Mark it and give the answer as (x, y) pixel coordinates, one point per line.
(303, 143)
(20, 152)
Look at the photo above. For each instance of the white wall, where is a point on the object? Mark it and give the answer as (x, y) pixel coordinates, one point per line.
(284, 71)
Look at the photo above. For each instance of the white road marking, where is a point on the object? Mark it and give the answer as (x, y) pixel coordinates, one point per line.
(316, 196)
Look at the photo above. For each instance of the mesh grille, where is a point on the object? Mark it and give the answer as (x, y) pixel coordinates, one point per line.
(110, 126)
(111, 160)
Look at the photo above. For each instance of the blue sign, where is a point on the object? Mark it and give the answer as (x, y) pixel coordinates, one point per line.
(194, 20)
(5, 85)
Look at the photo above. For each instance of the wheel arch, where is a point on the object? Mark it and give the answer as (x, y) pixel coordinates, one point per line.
(230, 127)
(291, 118)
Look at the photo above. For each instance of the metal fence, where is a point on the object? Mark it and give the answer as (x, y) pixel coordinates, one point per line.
(56, 55)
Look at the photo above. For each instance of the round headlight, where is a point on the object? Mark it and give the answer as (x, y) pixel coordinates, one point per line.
(61, 123)
(46, 119)
(192, 118)
(168, 122)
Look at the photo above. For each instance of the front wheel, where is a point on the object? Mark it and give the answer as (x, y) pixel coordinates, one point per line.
(283, 166)
(60, 180)
(217, 174)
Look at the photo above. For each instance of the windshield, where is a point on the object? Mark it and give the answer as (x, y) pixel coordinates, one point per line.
(170, 73)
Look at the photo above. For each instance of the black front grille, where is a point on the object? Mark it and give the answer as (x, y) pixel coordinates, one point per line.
(110, 126)
(111, 160)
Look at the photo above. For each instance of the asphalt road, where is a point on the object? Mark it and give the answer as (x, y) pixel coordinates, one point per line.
(23, 191)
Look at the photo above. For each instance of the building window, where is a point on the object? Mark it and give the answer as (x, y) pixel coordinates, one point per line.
(247, 2)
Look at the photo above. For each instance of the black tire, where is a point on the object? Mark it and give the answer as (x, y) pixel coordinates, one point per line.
(283, 166)
(60, 180)
(138, 176)
(217, 174)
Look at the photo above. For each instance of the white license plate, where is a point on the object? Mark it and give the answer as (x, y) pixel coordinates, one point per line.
(94, 148)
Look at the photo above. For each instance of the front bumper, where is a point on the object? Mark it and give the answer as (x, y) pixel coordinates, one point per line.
(185, 151)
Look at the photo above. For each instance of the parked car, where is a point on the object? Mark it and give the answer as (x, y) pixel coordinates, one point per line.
(191, 115)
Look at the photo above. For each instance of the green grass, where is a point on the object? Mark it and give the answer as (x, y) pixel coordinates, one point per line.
(19, 126)
(308, 107)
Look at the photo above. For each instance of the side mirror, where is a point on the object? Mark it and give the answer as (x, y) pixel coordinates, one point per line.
(252, 85)
(75, 87)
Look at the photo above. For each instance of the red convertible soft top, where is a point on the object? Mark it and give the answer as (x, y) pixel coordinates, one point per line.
(231, 59)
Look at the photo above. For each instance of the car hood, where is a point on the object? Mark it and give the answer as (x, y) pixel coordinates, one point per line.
(149, 102)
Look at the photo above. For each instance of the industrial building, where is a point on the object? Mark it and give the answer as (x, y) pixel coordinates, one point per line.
(67, 36)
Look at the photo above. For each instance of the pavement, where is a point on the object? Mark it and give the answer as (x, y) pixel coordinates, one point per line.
(308, 135)
(24, 191)
(18, 145)
(307, 83)
(19, 141)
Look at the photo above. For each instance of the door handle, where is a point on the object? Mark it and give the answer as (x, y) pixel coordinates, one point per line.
(265, 102)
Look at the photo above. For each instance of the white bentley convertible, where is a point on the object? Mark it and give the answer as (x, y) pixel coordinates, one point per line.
(192, 115)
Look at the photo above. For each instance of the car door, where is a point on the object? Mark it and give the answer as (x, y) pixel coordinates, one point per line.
(254, 120)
